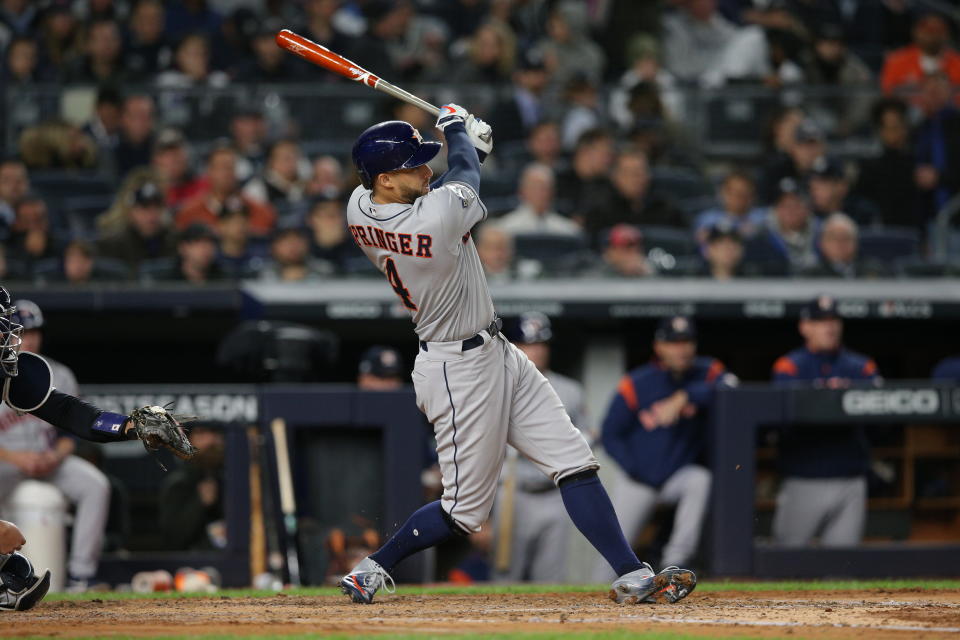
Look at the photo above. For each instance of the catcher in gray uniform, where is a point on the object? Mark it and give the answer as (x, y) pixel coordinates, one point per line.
(531, 531)
(479, 391)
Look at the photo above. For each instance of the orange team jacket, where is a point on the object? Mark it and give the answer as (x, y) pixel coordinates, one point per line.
(902, 68)
(206, 210)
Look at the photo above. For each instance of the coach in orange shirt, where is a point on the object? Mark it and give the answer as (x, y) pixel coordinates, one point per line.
(208, 206)
(930, 53)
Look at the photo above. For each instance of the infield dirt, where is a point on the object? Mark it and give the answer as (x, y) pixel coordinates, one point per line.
(875, 613)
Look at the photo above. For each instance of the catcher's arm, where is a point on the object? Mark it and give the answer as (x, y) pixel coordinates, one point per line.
(152, 425)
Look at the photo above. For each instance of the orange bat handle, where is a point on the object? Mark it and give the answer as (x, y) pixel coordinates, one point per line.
(323, 57)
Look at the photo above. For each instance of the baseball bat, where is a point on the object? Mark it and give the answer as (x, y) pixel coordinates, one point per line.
(288, 504)
(323, 57)
(258, 536)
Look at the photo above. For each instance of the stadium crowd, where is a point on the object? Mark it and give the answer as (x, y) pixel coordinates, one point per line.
(162, 141)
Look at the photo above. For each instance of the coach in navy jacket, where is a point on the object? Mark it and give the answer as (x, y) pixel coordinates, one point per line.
(656, 431)
(824, 469)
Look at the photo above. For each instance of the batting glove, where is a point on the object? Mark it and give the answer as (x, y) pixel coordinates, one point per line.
(451, 113)
(481, 135)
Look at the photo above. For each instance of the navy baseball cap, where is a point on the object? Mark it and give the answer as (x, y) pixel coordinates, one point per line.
(676, 329)
(530, 328)
(828, 167)
(820, 308)
(724, 229)
(148, 194)
(382, 362)
(28, 314)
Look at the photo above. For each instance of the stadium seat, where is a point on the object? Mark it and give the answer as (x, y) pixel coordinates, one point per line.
(548, 249)
(80, 212)
(676, 242)
(889, 243)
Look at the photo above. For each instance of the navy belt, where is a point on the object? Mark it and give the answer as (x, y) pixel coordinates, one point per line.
(477, 340)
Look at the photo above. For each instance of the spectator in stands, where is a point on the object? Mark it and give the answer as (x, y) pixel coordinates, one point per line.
(321, 24)
(824, 468)
(104, 127)
(32, 239)
(191, 66)
(280, 184)
(326, 179)
(221, 185)
(380, 369)
(947, 369)
(147, 234)
(60, 38)
(544, 146)
(191, 496)
(695, 37)
(136, 134)
(514, 117)
(399, 41)
(930, 53)
(191, 16)
(837, 248)
(196, 257)
(830, 192)
(57, 144)
(722, 252)
(490, 56)
(147, 51)
(240, 255)
(14, 186)
(780, 133)
(578, 188)
(80, 267)
(786, 242)
(495, 248)
(18, 16)
(329, 239)
(21, 65)
(171, 166)
(737, 193)
(627, 198)
(102, 61)
(270, 63)
(937, 146)
(809, 144)
(830, 63)
(887, 180)
(643, 55)
(191, 71)
(581, 110)
(248, 135)
(568, 50)
(623, 255)
(535, 213)
(290, 259)
(656, 431)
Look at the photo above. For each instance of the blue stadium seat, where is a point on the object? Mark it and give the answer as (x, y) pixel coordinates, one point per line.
(889, 243)
(676, 242)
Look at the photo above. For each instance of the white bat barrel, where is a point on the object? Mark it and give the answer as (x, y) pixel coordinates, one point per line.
(39, 510)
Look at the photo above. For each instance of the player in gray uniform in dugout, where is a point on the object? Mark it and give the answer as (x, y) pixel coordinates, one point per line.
(531, 530)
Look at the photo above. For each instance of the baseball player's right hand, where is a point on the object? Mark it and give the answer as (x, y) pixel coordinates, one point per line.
(451, 113)
(10, 538)
(481, 135)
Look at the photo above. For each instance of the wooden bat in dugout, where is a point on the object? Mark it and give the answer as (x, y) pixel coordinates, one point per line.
(323, 57)
(288, 503)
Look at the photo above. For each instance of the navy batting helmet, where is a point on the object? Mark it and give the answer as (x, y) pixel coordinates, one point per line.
(389, 146)
(531, 327)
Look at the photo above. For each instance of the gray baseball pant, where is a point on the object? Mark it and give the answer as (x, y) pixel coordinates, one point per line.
(688, 488)
(836, 507)
(87, 488)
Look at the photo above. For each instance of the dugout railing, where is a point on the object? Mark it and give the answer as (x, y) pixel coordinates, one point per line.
(733, 549)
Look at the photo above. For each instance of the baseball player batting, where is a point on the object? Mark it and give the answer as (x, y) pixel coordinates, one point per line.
(27, 387)
(479, 391)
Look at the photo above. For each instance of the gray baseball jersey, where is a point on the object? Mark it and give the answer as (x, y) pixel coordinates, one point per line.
(478, 399)
(427, 254)
(26, 432)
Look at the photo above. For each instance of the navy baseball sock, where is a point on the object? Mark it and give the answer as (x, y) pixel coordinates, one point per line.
(426, 527)
(589, 506)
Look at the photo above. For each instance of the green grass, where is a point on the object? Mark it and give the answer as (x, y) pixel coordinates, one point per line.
(709, 586)
(545, 635)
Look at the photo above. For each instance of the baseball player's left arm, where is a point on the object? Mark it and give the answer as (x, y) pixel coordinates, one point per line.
(701, 393)
(84, 420)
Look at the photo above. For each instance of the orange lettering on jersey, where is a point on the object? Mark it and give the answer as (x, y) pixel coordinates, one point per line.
(356, 235)
(405, 239)
(424, 242)
(361, 235)
(392, 242)
(381, 240)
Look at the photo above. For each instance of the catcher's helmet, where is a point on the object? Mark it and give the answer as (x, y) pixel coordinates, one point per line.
(389, 146)
(10, 331)
(531, 327)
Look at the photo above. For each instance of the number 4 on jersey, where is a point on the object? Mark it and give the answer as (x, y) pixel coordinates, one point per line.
(393, 277)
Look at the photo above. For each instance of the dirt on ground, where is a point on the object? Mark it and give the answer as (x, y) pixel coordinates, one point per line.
(873, 614)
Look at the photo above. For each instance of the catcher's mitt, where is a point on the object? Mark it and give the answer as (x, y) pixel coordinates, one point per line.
(156, 428)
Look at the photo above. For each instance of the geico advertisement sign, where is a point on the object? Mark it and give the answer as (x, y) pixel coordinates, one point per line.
(891, 401)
